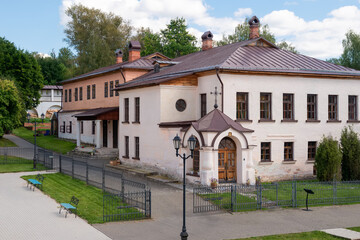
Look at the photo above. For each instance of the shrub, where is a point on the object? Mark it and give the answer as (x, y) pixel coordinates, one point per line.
(350, 148)
(328, 160)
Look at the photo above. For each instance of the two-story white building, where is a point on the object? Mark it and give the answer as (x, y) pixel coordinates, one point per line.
(274, 107)
(50, 101)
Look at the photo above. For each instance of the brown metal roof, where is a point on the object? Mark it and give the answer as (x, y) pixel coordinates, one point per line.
(216, 121)
(49, 87)
(93, 113)
(241, 56)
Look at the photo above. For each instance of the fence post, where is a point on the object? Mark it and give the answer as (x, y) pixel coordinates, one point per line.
(334, 190)
(87, 173)
(60, 163)
(232, 198)
(259, 194)
(293, 195)
(103, 179)
(277, 194)
(122, 189)
(72, 167)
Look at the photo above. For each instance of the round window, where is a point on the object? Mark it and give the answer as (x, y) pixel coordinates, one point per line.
(180, 105)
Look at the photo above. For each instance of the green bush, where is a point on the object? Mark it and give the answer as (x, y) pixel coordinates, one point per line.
(328, 160)
(350, 148)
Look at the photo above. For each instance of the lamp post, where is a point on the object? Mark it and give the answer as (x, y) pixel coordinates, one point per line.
(191, 143)
(28, 117)
(35, 153)
(42, 117)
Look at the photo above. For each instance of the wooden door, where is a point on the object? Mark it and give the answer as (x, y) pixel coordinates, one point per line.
(227, 160)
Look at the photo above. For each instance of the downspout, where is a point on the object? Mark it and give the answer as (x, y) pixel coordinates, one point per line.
(122, 74)
(222, 89)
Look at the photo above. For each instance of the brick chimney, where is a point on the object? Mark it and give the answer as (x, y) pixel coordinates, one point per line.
(119, 55)
(134, 50)
(207, 40)
(254, 27)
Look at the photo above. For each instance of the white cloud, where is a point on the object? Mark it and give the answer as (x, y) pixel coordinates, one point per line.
(318, 38)
(290, 3)
(243, 12)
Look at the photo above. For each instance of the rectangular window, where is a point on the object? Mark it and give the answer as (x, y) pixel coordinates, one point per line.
(106, 89)
(203, 104)
(116, 84)
(65, 95)
(93, 125)
(288, 106)
(88, 92)
(311, 150)
(69, 128)
(311, 107)
(80, 94)
(137, 148)
(353, 108)
(288, 151)
(126, 147)
(126, 110)
(93, 91)
(111, 88)
(137, 109)
(265, 152)
(76, 94)
(333, 108)
(242, 106)
(265, 106)
(70, 95)
(82, 127)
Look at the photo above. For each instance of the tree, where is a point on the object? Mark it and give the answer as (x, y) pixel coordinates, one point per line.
(11, 106)
(242, 32)
(176, 40)
(350, 148)
(52, 69)
(328, 160)
(23, 69)
(67, 58)
(351, 53)
(95, 35)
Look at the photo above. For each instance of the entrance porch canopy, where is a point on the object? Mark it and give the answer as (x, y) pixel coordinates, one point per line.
(111, 113)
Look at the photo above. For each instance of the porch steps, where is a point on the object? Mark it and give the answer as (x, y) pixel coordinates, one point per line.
(138, 171)
(161, 178)
(343, 233)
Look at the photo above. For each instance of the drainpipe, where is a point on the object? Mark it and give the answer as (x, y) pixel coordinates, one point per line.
(122, 74)
(222, 89)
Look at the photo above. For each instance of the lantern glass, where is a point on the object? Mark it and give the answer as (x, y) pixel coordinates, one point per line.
(176, 142)
(192, 143)
(42, 116)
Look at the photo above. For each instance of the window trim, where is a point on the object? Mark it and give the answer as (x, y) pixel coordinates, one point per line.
(88, 92)
(137, 110)
(66, 95)
(76, 94)
(126, 110)
(335, 111)
(93, 89)
(355, 106)
(116, 84)
(264, 148)
(137, 148)
(203, 104)
(111, 93)
(314, 105)
(269, 102)
(80, 93)
(242, 103)
(126, 142)
(106, 89)
(70, 95)
(288, 108)
(289, 152)
(308, 152)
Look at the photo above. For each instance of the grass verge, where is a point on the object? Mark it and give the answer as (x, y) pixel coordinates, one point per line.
(24, 165)
(47, 142)
(62, 187)
(315, 235)
(357, 229)
(6, 143)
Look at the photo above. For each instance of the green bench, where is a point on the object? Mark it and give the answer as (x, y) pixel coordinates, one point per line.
(37, 182)
(70, 207)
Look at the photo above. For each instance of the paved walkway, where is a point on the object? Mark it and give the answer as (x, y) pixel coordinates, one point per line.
(29, 215)
(18, 141)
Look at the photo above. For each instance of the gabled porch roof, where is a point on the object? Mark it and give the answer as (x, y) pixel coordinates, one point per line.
(111, 113)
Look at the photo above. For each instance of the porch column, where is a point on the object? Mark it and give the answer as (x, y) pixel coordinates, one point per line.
(98, 134)
(78, 133)
(52, 95)
(250, 170)
(207, 168)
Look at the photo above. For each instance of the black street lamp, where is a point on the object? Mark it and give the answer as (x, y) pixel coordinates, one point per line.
(35, 153)
(42, 117)
(191, 143)
(28, 117)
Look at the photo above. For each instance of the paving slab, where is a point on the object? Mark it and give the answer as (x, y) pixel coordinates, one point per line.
(343, 233)
(32, 215)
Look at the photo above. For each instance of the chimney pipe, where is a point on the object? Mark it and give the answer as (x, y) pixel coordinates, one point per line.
(254, 24)
(119, 55)
(134, 50)
(207, 40)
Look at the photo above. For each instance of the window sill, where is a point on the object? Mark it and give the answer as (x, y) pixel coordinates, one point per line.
(193, 175)
(310, 161)
(353, 121)
(312, 121)
(244, 120)
(266, 163)
(136, 158)
(135, 122)
(333, 121)
(127, 157)
(289, 121)
(125, 122)
(266, 120)
(289, 162)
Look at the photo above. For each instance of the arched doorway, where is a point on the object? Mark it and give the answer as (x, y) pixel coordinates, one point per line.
(196, 158)
(227, 160)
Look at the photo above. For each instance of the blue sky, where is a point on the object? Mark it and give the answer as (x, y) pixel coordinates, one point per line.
(314, 27)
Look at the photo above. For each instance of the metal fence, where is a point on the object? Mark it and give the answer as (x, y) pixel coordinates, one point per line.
(12, 155)
(236, 198)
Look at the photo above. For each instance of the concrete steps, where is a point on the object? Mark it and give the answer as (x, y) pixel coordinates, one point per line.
(343, 233)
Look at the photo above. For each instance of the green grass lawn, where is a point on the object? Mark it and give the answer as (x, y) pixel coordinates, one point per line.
(48, 142)
(316, 235)
(62, 187)
(24, 165)
(357, 229)
(243, 203)
(6, 143)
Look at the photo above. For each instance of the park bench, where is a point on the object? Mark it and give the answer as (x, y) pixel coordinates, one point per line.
(70, 207)
(37, 182)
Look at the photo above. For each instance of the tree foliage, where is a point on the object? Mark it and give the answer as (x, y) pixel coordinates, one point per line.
(21, 67)
(11, 107)
(242, 32)
(350, 148)
(351, 51)
(95, 35)
(328, 160)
